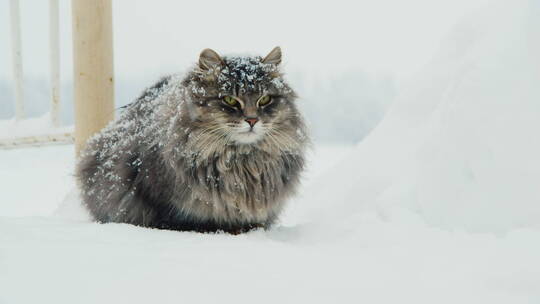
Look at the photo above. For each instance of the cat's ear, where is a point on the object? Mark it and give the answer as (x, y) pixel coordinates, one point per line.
(209, 59)
(274, 57)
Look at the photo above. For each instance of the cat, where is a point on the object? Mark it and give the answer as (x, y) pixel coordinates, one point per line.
(218, 149)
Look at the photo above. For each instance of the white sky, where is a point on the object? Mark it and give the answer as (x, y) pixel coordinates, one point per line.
(160, 36)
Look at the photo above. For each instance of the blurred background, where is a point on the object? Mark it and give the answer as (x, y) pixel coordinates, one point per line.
(346, 59)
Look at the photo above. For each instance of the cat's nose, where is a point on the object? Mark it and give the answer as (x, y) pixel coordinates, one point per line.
(252, 121)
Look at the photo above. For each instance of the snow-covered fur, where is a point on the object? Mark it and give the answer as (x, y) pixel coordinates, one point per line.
(180, 157)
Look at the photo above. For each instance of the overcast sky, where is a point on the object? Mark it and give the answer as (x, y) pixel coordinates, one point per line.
(159, 36)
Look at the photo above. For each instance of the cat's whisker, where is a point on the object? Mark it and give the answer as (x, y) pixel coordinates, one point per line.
(210, 140)
(279, 143)
(209, 131)
(283, 138)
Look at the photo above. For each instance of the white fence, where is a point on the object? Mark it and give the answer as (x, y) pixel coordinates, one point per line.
(54, 134)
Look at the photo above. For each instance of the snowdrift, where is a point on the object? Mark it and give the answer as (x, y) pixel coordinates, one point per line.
(459, 148)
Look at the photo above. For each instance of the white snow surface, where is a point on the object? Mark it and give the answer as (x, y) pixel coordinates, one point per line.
(460, 147)
(440, 204)
(54, 254)
(10, 129)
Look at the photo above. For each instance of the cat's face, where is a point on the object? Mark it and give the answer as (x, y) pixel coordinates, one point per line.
(242, 100)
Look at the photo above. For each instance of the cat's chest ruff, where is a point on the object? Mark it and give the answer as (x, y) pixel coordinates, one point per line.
(245, 166)
(237, 188)
(232, 172)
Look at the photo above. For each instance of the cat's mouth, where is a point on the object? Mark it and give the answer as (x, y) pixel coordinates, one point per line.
(250, 131)
(246, 133)
(248, 136)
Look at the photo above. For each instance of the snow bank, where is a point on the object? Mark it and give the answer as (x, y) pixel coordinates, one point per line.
(459, 147)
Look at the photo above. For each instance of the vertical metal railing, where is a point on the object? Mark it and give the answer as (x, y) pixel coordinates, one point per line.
(17, 59)
(17, 64)
(54, 46)
(93, 72)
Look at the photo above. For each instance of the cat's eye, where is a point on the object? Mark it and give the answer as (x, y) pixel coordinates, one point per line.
(264, 100)
(231, 101)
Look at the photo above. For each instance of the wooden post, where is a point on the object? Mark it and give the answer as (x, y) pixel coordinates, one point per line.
(17, 59)
(54, 47)
(93, 67)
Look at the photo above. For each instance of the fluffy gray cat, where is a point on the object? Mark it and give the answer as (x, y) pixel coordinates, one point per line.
(220, 148)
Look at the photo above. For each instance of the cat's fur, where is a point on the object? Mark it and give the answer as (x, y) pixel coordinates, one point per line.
(180, 158)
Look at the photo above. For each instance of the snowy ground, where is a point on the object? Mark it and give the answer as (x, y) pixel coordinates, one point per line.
(439, 204)
(46, 258)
